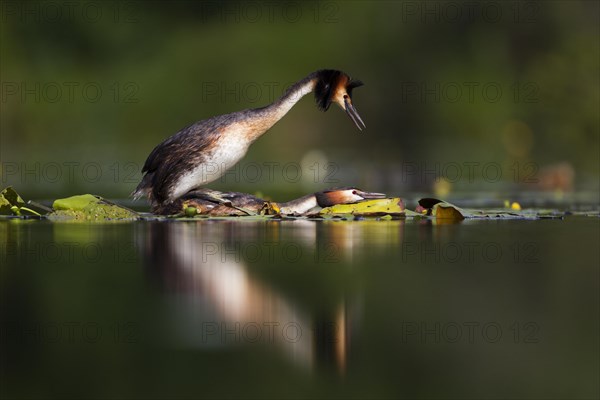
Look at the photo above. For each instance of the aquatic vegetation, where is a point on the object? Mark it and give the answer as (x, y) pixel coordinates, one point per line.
(12, 204)
(89, 207)
(93, 208)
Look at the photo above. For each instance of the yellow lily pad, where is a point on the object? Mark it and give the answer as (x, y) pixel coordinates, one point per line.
(445, 210)
(391, 206)
(270, 208)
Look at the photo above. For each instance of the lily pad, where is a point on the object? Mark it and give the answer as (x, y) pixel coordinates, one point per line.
(88, 207)
(440, 209)
(76, 203)
(12, 204)
(378, 207)
(445, 210)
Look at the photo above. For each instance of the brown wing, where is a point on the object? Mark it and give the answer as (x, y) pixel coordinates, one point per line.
(178, 154)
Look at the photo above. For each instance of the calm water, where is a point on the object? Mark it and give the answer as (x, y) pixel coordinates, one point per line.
(300, 309)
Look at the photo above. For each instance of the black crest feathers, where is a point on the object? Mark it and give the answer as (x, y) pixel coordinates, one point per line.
(325, 88)
(328, 82)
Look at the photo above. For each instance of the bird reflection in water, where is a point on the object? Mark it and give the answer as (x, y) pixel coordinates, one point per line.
(219, 299)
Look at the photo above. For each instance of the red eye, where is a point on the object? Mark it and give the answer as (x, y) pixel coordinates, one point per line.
(345, 96)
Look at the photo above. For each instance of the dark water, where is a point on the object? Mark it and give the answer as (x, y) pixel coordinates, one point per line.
(300, 309)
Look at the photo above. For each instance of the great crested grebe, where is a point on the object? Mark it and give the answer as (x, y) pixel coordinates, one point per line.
(202, 152)
(212, 202)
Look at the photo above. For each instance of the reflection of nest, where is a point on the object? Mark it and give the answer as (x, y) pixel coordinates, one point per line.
(215, 203)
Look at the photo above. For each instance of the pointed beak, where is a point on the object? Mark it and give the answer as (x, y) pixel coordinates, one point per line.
(369, 195)
(353, 114)
(332, 197)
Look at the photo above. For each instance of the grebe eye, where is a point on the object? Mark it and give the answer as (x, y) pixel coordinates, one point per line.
(345, 96)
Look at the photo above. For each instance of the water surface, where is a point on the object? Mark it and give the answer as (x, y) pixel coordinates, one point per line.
(300, 309)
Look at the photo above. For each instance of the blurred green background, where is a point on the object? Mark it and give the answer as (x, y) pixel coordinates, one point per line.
(491, 97)
(469, 99)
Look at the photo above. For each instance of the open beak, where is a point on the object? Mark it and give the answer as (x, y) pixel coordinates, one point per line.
(353, 114)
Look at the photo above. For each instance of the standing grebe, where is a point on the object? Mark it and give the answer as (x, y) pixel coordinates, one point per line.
(202, 152)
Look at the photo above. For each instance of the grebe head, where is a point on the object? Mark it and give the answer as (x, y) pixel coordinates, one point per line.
(344, 195)
(336, 86)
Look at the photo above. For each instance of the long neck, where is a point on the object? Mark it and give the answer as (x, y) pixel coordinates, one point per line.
(269, 115)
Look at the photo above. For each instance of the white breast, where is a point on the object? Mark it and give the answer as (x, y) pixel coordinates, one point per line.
(230, 149)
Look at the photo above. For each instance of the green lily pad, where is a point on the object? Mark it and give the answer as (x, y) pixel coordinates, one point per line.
(5, 206)
(87, 207)
(76, 203)
(12, 204)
